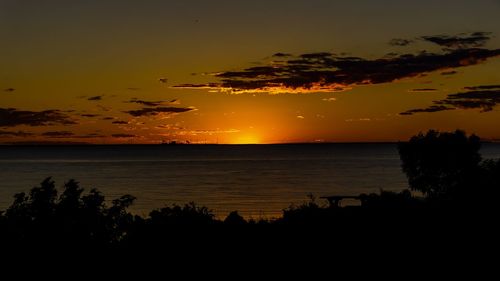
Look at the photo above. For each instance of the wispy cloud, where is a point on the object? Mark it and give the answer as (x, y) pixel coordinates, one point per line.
(152, 111)
(146, 103)
(88, 136)
(422, 90)
(359, 120)
(400, 42)
(119, 122)
(58, 134)
(170, 127)
(206, 132)
(484, 97)
(21, 134)
(95, 98)
(123, 136)
(10, 117)
(281, 55)
(90, 115)
(103, 108)
(451, 72)
(432, 108)
(483, 87)
(461, 41)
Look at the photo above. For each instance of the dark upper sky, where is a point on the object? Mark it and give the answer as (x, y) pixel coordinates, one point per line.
(146, 71)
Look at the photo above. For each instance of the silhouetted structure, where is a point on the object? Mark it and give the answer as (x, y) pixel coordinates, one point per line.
(335, 200)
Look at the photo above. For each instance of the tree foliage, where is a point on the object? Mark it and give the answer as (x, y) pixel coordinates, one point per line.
(441, 164)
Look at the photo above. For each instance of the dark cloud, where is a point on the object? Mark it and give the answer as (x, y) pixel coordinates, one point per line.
(452, 72)
(327, 72)
(9, 90)
(400, 42)
(281, 55)
(22, 134)
(88, 136)
(485, 100)
(146, 103)
(10, 117)
(95, 98)
(483, 87)
(434, 108)
(58, 134)
(108, 118)
(481, 99)
(462, 41)
(169, 126)
(163, 80)
(47, 143)
(423, 90)
(151, 111)
(123, 136)
(120, 122)
(90, 115)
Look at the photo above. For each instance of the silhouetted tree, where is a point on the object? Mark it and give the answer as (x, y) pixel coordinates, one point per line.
(42, 200)
(441, 164)
(234, 219)
(71, 219)
(119, 219)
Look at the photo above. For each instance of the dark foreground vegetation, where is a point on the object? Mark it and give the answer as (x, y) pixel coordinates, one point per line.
(455, 189)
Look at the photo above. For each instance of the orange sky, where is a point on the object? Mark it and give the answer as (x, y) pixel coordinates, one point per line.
(254, 72)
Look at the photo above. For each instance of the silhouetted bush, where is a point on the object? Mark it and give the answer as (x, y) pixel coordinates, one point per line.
(390, 200)
(189, 214)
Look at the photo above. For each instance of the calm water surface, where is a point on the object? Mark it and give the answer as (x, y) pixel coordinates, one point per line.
(257, 180)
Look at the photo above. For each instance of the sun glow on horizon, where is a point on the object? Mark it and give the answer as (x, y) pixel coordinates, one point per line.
(247, 139)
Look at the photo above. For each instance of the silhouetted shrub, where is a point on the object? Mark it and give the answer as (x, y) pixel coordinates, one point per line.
(307, 213)
(390, 200)
(189, 214)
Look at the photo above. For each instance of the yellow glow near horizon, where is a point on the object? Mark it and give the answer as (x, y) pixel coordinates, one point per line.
(247, 139)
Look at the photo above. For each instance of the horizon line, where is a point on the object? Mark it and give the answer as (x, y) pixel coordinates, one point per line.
(208, 144)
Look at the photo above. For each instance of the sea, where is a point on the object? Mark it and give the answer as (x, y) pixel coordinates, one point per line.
(259, 181)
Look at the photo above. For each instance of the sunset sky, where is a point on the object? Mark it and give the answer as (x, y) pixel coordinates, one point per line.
(223, 71)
